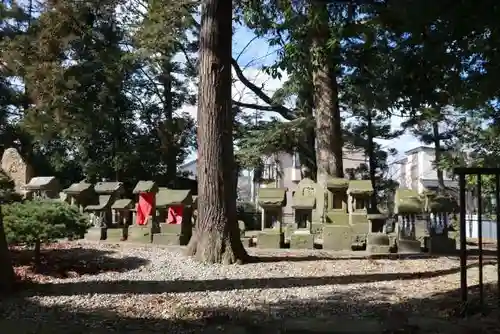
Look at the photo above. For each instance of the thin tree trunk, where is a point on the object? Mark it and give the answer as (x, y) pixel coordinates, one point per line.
(371, 157)
(306, 105)
(7, 276)
(169, 147)
(327, 114)
(216, 237)
(437, 149)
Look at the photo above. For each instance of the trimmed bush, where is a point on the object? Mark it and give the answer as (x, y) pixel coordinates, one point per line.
(33, 223)
(7, 190)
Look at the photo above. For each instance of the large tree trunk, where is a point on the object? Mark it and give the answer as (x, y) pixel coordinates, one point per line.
(7, 276)
(327, 113)
(216, 237)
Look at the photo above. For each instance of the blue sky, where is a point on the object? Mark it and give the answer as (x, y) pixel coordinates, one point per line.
(259, 53)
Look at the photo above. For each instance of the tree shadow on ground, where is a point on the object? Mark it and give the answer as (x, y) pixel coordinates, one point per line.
(295, 256)
(343, 312)
(61, 261)
(182, 286)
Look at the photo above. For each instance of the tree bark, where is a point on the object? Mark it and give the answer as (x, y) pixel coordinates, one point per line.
(327, 113)
(7, 276)
(216, 237)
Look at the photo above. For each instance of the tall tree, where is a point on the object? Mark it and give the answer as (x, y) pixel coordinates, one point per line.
(216, 237)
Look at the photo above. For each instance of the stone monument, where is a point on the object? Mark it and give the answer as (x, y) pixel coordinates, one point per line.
(17, 169)
(272, 201)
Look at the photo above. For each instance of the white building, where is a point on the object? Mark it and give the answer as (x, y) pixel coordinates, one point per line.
(282, 169)
(417, 171)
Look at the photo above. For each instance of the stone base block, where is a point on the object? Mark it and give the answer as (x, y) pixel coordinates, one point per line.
(96, 234)
(440, 245)
(336, 237)
(378, 249)
(247, 242)
(169, 239)
(171, 228)
(270, 240)
(406, 246)
(377, 239)
(302, 241)
(316, 228)
(116, 234)
(139, 234)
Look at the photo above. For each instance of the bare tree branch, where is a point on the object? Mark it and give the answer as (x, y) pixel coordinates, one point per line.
(285, 112)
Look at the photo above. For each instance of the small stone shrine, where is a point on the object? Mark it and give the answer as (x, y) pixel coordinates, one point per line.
(79, 194)
(16, 168)
(175, 211)
(439, 208)
(43, 187)
(121, 213)
(359, 192)
(409, 209)
(304, 209)
(272, 201)
(142, 231)
(100, 211)
(336, 227)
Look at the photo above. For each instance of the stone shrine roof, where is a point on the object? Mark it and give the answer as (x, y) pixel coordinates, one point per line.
(108, 187)
(272, 196)
(122, 204)
(42, 183)
(145, 187)
(360, 187)
(77, 188)
(104, 202)
(166, 197)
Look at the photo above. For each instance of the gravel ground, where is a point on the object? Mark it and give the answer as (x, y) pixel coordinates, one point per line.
(162, 291)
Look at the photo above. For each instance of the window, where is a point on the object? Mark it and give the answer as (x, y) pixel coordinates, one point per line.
(296, 160)
(303, 217)
(269, 172)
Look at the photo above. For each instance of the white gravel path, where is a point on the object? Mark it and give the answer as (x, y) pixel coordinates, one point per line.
(172, 287)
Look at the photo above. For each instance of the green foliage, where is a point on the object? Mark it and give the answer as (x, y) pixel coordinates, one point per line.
(7, 190)
(42, 221)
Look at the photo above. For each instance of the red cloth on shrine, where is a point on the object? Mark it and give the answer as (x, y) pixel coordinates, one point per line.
(175, 214)
(144, 207)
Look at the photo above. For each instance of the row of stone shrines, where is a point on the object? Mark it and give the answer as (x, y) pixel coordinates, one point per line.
(113, 216)
(339, 217)
(335, 217)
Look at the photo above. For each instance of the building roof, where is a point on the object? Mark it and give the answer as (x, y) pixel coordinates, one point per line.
(419, 149)
(401, 161)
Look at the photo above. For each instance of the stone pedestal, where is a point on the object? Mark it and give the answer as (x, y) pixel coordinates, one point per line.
(302, 240)
(440, 244)
(336, 237)
(138, 233)
(117, 234)
(270, 239)
(408, 246)
(171, 234)
(360, 227)
(378, 243)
